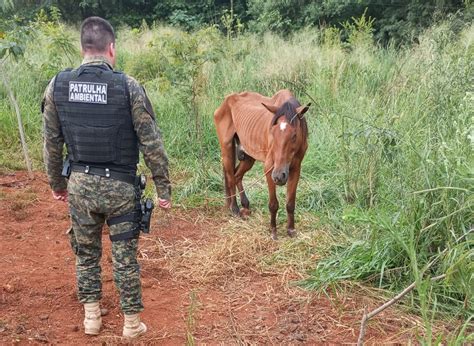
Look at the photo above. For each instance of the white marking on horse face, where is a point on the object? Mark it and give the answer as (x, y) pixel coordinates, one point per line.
(283, 125)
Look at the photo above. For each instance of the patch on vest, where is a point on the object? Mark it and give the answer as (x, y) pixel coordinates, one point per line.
(88, 92)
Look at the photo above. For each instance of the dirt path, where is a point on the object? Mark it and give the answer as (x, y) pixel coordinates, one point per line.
(200, 283)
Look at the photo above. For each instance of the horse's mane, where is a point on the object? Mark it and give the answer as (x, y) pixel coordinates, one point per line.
(288, 110)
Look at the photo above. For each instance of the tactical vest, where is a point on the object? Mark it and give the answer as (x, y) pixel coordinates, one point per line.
(93, 104)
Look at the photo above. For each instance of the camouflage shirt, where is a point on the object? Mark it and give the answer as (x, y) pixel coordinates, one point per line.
(149, 136)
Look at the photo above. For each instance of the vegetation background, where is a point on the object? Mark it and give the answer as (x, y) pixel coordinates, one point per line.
(389, 171)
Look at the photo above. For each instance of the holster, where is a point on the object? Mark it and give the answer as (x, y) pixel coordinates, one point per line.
(66, 172)
(140, 216)
(147, 207)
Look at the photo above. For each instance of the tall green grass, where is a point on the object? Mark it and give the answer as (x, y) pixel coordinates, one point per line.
(389, 167)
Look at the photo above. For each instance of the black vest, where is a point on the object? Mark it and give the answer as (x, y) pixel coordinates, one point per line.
(93, 104)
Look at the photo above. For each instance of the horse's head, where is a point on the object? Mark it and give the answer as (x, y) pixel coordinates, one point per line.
(287, 135)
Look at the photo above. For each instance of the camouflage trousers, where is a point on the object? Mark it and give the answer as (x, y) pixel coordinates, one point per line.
(92, 200)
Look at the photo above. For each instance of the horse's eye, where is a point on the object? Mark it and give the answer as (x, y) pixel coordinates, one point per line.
(293, 138)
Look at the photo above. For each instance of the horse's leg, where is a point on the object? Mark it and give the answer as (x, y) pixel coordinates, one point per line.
(226, 188)
(228, 161)
(225, 133)
(243, 167)
(292, 184)
(272, 201)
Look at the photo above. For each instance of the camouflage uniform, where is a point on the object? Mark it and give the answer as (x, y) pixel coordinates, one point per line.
(94, 199)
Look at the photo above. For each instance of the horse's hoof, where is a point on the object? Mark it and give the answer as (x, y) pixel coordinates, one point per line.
(235, 211)
(244, 213)
(292, 233)
(274, 234)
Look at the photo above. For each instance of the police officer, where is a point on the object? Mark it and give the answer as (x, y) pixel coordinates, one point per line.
(104, 117)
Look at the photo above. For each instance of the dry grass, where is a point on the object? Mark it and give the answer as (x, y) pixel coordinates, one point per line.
(19, 202)
(150, 338)
(229, 249)
(241, 248)
(248, 276)
(235, 255)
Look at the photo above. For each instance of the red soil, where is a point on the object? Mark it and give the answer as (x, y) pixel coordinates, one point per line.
(38, 300)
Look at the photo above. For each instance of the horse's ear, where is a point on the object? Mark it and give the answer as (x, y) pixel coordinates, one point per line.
(302, 109)
(272, 109)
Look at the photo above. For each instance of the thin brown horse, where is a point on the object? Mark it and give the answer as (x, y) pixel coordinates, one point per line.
(272, 130)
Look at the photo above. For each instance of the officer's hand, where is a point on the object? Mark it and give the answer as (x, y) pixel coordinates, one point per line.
(60, 195)
(164, 203)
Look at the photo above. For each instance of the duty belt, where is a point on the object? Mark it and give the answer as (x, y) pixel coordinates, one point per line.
(104, 172)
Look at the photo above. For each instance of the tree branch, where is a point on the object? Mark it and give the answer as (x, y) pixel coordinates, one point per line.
(367, 317)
